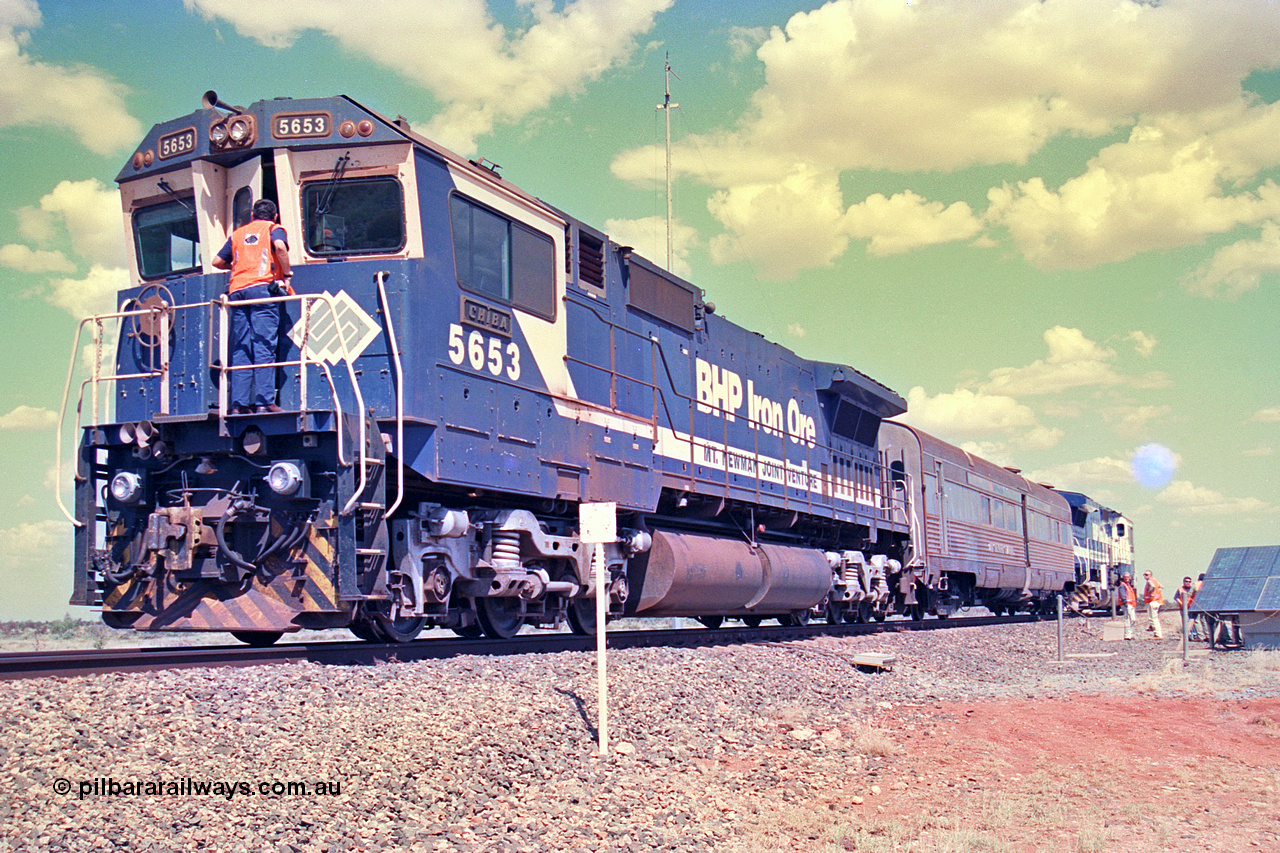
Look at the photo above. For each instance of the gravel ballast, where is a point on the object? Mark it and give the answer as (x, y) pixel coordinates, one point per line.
(479, 753)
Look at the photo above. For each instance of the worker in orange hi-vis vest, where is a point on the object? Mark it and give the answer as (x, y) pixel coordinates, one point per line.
(1128, 604)
(258, 256)
(1153, 595)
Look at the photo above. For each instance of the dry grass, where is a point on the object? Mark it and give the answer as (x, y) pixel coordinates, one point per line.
(872, 741)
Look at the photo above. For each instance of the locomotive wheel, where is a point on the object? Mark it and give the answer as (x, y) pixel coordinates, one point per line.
(364, 629)
(835, 615)
(582, 616)
(405, 629)
(864, 611)
(711, 622)
(469, 632)
(752, 621)
(500, 617)
(794, 619)
(881, 615)
(257, 639)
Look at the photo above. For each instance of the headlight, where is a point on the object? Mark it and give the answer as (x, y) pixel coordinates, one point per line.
(126, 487)
(239, 131)
(285, 478)
(218, 134)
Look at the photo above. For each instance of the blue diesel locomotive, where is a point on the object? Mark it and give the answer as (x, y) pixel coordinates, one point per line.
(462, 365)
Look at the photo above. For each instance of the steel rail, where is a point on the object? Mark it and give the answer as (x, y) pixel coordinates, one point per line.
(80, 662)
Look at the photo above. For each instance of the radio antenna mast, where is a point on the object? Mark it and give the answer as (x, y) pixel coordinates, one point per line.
(666, 106)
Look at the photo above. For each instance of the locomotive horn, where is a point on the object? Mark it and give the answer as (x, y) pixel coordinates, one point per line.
(210, 101)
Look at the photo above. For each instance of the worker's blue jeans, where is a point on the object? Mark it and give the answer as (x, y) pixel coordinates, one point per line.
(255, 332)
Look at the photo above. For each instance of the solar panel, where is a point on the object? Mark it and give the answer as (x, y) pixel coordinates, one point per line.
(1244, 594)
(1240, 580)
(1212, 594)
(1259, 562)
(1270, 599)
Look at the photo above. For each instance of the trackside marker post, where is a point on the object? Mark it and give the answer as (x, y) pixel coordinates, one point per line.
(598, 524)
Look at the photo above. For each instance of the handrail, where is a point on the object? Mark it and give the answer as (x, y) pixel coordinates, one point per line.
(161, 314)
(302, 362)
(395, 353)
(95, 379)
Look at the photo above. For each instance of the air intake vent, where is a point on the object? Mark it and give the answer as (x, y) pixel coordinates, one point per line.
(590, 260)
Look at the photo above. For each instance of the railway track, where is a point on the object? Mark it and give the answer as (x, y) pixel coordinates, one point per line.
(75, 662)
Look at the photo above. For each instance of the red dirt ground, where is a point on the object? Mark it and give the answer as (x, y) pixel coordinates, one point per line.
(1092, 773)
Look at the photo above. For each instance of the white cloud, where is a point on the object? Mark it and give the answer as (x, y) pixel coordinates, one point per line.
(25, 259)
(906, 221)
(37, 93)
(484, 73)
(29, 419)
(34, 566)
(1073, 361)
(941, 86)
(648, 236)
(93, 294)
(1187, 498)
(965, 415)
(1132, 421)
(90, 214)
(1082, 475)
(1269, 415)
(795, 330)
(1163, 188)
(1239, 267)
(746, 40)
(1143, 343)
(781, 228)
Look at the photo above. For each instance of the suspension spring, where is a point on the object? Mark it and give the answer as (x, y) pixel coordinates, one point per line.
(506, 549)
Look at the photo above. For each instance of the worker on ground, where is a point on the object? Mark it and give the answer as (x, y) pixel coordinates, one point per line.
(1128, 604)
(1153, 595)
(1184, 597)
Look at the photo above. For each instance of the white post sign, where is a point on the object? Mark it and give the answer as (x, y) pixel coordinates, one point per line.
(598, 524)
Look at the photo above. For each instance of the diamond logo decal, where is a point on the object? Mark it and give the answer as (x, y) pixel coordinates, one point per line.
(328, 329)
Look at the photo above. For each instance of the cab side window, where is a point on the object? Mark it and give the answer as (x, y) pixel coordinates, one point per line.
(503, 259)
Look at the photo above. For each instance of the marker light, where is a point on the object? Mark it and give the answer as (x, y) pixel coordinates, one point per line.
(284, 478)
(126, 487)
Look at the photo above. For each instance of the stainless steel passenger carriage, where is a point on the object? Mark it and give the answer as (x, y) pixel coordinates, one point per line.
(996, 538)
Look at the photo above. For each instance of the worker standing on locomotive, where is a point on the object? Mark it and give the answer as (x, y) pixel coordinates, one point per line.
(1128, 603)
(1153, 595)
(257, 254)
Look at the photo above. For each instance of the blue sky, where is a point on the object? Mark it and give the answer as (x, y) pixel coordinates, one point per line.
(1053, 227)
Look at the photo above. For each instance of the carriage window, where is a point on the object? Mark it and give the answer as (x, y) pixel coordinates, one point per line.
(167, 238)
(361, 216)
(502, 259)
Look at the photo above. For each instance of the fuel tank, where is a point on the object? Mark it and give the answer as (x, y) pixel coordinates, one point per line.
(689, 574)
